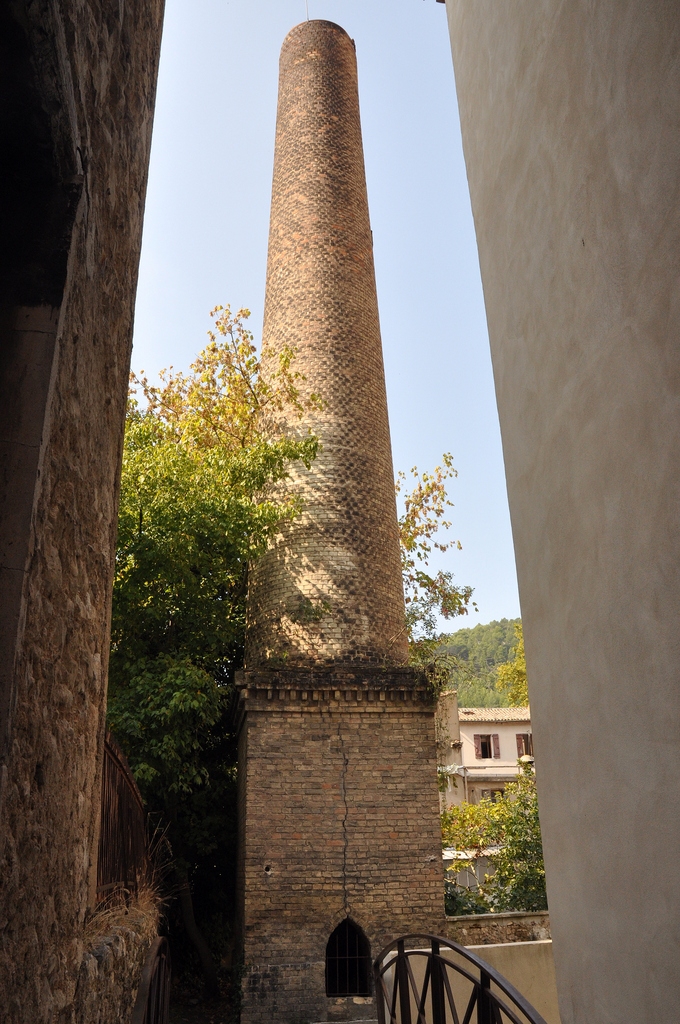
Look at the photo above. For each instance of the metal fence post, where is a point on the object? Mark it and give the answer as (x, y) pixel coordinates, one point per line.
(483, 1000)
(401, 979)
(437, 986)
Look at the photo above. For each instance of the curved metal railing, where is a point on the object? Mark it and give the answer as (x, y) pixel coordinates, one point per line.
(424, 979)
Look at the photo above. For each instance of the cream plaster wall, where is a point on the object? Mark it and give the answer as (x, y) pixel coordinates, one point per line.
(530, 967)
(570, 114)
(507, 740)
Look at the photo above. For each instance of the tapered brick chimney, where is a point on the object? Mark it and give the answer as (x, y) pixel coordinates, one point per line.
(330, 588)
(339, 834)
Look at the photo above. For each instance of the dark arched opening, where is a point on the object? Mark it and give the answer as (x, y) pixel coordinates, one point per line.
(348, 961)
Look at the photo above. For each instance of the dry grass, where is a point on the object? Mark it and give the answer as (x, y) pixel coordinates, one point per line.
(141, 914)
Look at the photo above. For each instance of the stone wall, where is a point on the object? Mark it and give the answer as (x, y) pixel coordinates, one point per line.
(111, 969)
(488, 929)
(77, 105)
(341, 818)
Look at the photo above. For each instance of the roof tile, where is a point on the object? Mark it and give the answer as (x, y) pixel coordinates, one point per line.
(494, 715)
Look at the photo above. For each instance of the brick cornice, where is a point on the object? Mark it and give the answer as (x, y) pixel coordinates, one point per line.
(346, 688)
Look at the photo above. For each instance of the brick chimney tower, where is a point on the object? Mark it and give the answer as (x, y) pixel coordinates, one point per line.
(330, 589)
(339, 835)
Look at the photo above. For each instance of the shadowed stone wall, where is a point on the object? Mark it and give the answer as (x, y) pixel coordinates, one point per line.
(570, 113)
(78, 84)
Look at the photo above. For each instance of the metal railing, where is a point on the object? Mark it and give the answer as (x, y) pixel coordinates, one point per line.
(122, 860)
(424, 979)
(152, 1005)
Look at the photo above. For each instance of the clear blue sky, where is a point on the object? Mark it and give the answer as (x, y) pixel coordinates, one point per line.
(207, 214)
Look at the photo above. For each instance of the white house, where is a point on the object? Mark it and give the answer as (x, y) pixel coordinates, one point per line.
(479, 749)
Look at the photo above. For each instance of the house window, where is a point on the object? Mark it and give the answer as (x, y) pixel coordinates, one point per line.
(525, 744)
(348, 961)
(487, 745)
(492, 794)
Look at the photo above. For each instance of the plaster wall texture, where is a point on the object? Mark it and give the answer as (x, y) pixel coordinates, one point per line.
(340, 818)
(77, 102)
(330, 588)
(456, 730)
(530, 967)
(507, 741)
(570, 115)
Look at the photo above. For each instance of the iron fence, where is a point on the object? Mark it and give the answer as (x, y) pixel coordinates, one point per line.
(423, 979)
(152, 1005)
(122, 861)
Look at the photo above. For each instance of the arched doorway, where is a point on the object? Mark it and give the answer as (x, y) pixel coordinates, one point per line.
(348, 961)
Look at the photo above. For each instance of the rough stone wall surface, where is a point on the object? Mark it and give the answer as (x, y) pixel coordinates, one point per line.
(570, 112)
(330, 588)
(95, 70)
(342, 819)
(488, 929)
(109, 975)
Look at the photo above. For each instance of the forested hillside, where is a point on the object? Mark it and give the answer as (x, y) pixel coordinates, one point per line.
(477, 652)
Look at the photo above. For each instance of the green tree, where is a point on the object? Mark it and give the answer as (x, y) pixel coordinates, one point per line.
(197, 506)
(475, 654)
(512, 677)
(428, 596)
(511, 825)
(518, 882)
(472, 827)
(195, 509)
(469, 829)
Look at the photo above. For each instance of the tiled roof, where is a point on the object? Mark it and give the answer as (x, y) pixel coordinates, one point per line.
(494, 715)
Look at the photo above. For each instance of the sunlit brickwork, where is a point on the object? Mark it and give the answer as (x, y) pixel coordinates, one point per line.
(330, 588)
(338, 802)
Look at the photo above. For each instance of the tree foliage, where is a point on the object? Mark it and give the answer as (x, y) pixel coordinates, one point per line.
(519, 880)
(197, 505)
(508, 831)
(512, 676)
(424, 508)
(472, 827)
(475, 654)
(194, 510)
(201, 456)
(225, 402)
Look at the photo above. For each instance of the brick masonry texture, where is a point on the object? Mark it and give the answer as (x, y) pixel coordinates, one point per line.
(338, 802)
(94, 66)
(339, 818)
(330, 587)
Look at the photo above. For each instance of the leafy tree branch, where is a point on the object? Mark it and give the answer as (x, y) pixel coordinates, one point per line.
(428, 595)
(512, 677)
